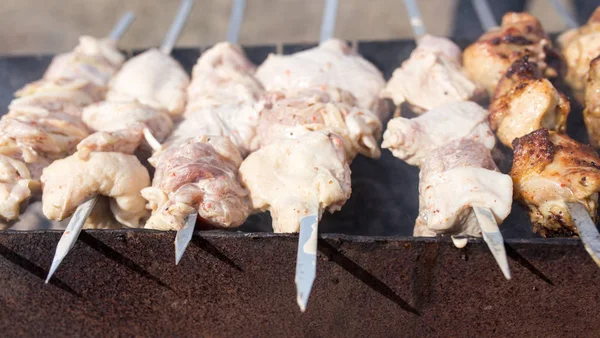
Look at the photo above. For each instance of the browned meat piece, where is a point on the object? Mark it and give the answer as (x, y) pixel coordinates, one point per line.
(200, 175)
(579, 47)
(591, 114)
(520, 35)
(524, 102)
(550, 169)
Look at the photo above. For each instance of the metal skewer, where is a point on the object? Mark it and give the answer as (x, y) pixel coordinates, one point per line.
(416, 20)
(122, 26)
(185, 234)
(306, 261)
(66, 242)
(565, 14)
(588, 232)
(487, 222)
(73, 229)
(485, 14)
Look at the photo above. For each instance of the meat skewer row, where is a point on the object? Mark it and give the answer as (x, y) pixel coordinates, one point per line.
(558, 179)
(159, 76)
(451, 144)
(44, 121)
(197, 171)
(526, 104)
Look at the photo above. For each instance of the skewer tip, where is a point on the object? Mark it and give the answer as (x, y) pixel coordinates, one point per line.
(184, 236)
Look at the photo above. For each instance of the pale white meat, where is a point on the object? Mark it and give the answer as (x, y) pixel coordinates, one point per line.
(52, 96)
(297, 176)
(93, 60)
(330, 65)
(70, 181)
(224, 98)
(359, 129)
(118, 115)
(15, 187)
(124, 141)
(431, 77)
(412, 140)
(200, 175)
(455, 178)
(154, 79)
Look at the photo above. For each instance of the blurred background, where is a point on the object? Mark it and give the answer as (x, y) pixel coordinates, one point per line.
(49, 26)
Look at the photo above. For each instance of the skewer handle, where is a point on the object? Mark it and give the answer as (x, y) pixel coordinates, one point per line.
(183, 13)
(121, 27)
(328, 21)
(485, 14)
(416, 20)
(235, 20)
(565, 14)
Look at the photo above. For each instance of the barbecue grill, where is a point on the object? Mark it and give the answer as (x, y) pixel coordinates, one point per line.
(373, 278)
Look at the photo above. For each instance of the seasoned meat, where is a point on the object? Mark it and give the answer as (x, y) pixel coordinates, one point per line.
(94, 60)
(455, 178)
(520, 35)
(591, 114)
(224, 99)
(524, 103)
(115, 175)
(550, 169)
(124, 141)
(53, 96)
(413, 140)
(300, 175)
(579, 47)
(431, 77)
(153, 79)
(359, 129)
(331, 65)
(200, 175)
(16, 187)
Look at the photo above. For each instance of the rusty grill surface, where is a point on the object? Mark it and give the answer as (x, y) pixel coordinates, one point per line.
(371, 281)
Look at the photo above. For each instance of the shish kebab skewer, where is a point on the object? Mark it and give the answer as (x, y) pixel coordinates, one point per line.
(317, 118)
(306, 260)
(44, 120)
(83, 211)
(478, 165)
(184, 235)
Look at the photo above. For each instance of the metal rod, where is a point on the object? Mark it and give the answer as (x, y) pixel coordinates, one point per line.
(328, 21)
(416, 20)
(493, 238)
(172, 36)
(184, 236)
(587, 230)
(235, 20)
(565, 14)
(306, 262)
(484, 14)
(122, 26)
(69, 236)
